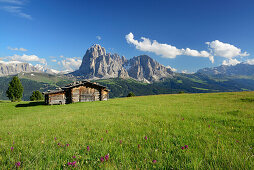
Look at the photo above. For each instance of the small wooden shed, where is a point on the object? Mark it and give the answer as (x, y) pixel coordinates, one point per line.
(55, 97)
(80, 91)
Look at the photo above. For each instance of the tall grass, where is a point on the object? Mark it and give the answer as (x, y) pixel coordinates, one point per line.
(137, 133)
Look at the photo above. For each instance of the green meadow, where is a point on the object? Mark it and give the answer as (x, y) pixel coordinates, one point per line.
(180, 131)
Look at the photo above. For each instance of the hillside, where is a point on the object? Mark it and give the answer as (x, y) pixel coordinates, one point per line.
(183, 131)
(188, 83)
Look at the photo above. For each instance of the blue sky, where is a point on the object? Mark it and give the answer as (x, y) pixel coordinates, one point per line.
(57, 33)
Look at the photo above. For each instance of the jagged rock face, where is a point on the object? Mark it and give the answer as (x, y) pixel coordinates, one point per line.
(99, 64)
(144, 68)
(12, 68)
(239, 69)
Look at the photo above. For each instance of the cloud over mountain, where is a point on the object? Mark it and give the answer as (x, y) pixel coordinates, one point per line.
(230, 62)
(225, 50)
(25, 58)
(165, 50)
(70, 64)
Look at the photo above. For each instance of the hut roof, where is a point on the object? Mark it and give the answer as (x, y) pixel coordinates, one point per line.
(76, 84)
(80, 83)
(53, 91)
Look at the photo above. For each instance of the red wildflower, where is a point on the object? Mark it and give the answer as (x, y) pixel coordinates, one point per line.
(107, 157)
(18, 164)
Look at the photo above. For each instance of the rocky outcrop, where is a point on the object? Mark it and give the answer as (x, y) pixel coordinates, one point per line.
(97, 64)
(11, 68)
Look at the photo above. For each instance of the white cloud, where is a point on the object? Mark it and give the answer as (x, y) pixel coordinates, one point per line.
(196, 53)
(16, 10)
(225, 50)
(173, 69)
(98, 37)
(70, 63)
(17, 49)
(17, 2)
(54, 60)
(26, 58)
(165, 50)
(9, 62)
(250, 61)
(230, 62)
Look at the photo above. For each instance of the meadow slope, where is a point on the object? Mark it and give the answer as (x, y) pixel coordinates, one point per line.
(139, 132)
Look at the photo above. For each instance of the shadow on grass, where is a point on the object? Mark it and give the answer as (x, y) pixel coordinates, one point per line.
(31, 104)
(247, 100)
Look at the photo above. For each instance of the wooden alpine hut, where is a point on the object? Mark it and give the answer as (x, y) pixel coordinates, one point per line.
(80, 91)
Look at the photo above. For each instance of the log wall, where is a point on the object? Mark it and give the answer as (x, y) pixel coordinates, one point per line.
(84, 94)
(58, 98)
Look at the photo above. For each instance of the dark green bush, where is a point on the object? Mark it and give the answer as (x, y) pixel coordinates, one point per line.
(37, 95)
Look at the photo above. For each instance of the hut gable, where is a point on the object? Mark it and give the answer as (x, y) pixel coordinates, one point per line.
(80, 91)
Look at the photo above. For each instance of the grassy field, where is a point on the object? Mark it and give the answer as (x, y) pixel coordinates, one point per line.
(182, 131)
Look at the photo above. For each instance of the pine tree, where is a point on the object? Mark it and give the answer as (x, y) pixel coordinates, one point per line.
(37, 95)
(15, 89)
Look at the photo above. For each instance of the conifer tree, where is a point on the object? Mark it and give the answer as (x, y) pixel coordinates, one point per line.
(15, 89)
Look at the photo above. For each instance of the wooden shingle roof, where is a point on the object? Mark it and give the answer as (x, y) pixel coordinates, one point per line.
(80, 83)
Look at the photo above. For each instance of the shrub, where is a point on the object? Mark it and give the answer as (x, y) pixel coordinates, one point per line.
(37, 95)
(131, 94)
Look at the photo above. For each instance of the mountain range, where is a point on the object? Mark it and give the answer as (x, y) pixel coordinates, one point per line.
(141, 74)
(242, 69)
(97, 64)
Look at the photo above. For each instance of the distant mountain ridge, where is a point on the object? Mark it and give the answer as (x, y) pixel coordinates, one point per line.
(242, 69)
(14, 67)
(97, 64)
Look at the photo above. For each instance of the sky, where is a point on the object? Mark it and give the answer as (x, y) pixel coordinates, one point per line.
(185, 35)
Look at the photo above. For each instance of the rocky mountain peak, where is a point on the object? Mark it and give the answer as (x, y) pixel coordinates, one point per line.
(95, 51)
(144, 68)
(97, 63)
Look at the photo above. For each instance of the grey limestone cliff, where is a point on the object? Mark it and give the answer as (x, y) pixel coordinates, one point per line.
(97, 64)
